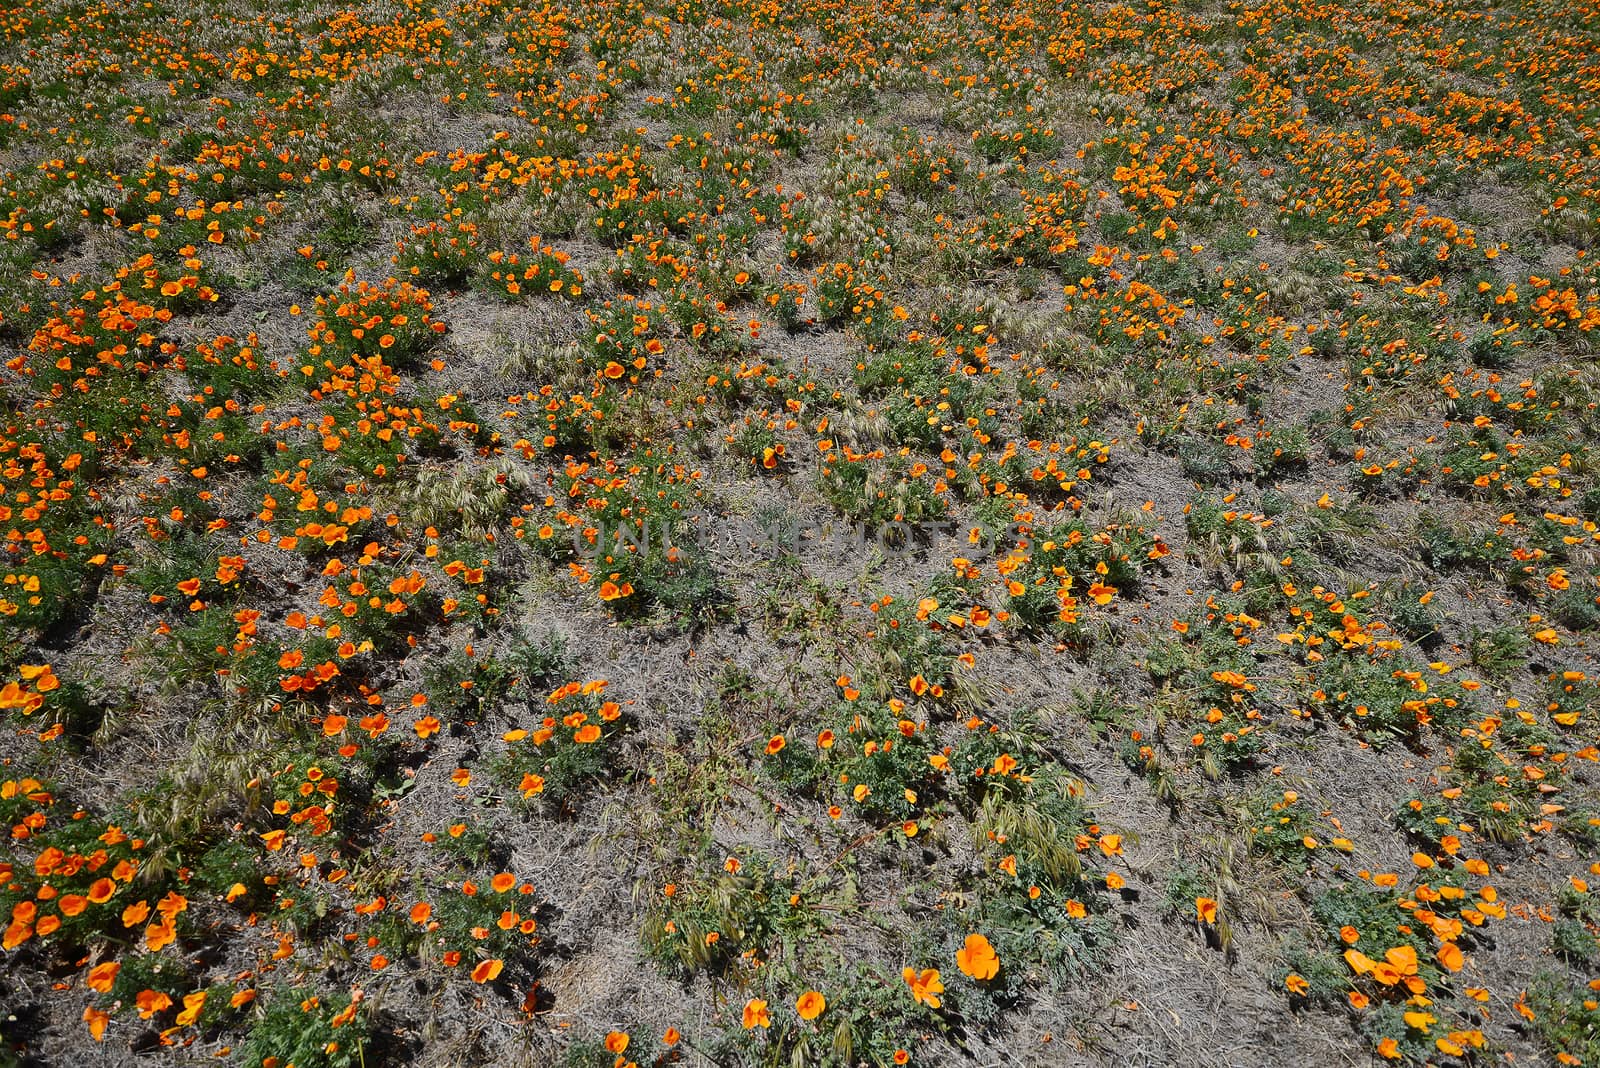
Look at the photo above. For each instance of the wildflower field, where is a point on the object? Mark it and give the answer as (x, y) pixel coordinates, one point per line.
(843, 532)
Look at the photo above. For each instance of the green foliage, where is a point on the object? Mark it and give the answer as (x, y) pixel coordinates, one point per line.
(310, 1029)
(1565, 1017)
(725, 921)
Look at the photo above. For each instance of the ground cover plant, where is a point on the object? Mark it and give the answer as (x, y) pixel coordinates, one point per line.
(711, 532)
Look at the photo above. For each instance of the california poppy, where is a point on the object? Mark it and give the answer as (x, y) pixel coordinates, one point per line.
(102, 975)
(755, 1014)
(810, 1005)
(925, 985)
(977, 959)
(192, 1005)
(157, 936)
(150, 1002)
(97, 1020)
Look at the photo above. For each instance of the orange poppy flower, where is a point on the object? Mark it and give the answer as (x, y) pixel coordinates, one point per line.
(502, 882)
(158, 936)
(150, 1002)
(487, 971)
(102, 975)
(172, 904)
(16, 934)
(977, 958)
(1404, 958)
(755, 1014)
(97, 1020)
(925, 985)
(810, 1005)
(192, 1004)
